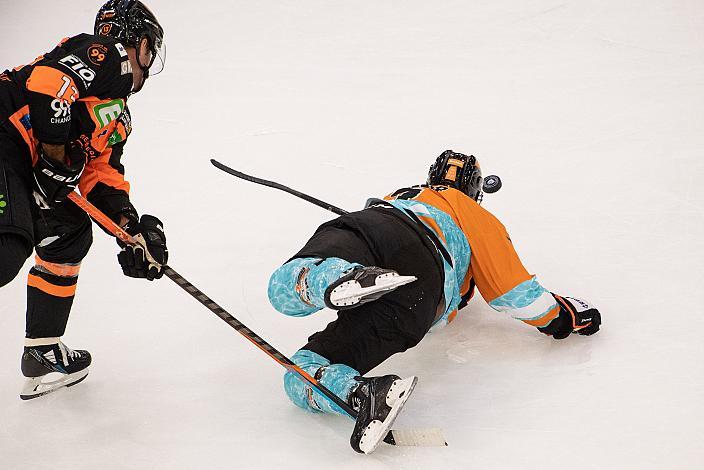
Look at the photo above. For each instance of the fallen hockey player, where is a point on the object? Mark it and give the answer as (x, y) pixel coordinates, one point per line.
(393, 270)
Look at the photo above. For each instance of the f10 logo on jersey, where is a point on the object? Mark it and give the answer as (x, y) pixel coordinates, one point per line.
(85, 73)
(62, 111)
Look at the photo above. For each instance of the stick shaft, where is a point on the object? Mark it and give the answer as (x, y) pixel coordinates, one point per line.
(274, 184)
(211, 305)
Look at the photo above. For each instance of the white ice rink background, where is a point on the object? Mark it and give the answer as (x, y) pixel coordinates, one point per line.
(592, 112)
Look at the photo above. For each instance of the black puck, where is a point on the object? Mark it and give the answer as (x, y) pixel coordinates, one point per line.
(492, 183)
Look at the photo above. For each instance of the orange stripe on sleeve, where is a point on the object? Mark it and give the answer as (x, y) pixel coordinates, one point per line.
(27, 134)
(52, 82)
(49, 288)
(99, 170)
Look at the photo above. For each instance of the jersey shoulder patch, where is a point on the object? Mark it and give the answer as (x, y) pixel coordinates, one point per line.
(101, 63)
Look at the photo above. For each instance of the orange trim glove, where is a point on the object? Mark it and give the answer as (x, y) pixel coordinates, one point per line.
(576, 316)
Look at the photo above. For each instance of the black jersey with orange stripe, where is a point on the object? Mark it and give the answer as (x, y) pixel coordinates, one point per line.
(79, 68)
(78, 91)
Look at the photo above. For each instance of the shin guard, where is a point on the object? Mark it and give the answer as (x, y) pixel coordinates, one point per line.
(50, 291)
(339, 378)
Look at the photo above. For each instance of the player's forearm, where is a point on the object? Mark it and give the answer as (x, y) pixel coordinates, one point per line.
(55, 152)
(527, 301)
(123, 221)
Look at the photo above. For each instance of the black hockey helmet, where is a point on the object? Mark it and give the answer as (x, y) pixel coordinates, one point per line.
(129, 21)
(458, 171)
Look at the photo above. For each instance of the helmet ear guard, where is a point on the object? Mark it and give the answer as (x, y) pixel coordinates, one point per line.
(458, 171)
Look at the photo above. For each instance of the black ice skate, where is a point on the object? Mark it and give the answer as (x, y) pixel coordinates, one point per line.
(51, 367)
(363, 285)
(378, 400)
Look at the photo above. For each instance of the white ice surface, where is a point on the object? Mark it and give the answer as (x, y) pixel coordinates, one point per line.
(592, 112)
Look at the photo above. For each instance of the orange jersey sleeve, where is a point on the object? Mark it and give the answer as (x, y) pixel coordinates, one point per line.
(494, 265)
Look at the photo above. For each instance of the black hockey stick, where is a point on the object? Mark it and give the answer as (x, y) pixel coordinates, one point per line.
(492, 183)
(393, 437)
(197, 294)
(274, 184)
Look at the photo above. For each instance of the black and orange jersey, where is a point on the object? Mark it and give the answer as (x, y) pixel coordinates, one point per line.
(78, 91)
(477, 251)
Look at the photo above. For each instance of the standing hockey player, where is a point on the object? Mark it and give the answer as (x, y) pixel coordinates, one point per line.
(63, 123)
(444, 244)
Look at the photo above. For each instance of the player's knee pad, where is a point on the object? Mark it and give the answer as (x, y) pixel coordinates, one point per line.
(69, 246)
(338, 378)
(14, 250)
(287, 288)
(298, 287)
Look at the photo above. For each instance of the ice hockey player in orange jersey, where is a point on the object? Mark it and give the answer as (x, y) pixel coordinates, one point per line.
(64, 122)
(397, 268)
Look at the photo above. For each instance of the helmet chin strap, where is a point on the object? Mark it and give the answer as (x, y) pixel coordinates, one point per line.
(143, 68)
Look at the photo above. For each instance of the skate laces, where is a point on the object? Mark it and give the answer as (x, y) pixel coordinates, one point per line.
(68, 352)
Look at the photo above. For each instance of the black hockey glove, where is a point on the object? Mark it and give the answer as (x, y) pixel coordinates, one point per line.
(54, 180)
(147, 259)
(576, 316)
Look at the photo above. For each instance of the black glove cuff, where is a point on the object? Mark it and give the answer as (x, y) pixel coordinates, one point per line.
(53, 179)
(561, 326)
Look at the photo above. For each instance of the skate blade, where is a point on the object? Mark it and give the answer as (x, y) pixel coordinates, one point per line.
(350, 292)
(35, 388)
(416, 437)
(375, 432)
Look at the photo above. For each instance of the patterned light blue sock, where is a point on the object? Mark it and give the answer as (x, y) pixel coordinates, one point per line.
(339, 378)
(298, 287)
